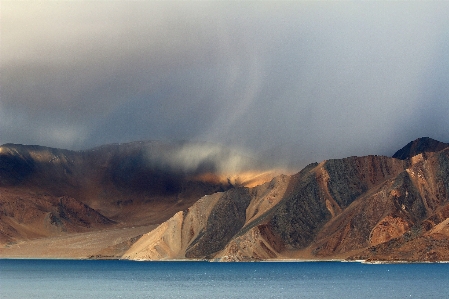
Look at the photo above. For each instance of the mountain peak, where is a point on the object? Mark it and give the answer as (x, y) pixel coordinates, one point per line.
(418, 146)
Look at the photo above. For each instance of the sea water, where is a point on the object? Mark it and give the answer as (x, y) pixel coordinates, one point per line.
(127, 279)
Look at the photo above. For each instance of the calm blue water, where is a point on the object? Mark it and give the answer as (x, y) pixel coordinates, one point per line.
(125, 279)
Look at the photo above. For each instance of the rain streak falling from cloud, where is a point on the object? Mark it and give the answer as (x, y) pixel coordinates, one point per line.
(300, 81)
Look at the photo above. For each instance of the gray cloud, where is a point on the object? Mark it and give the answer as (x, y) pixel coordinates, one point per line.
(300, 81)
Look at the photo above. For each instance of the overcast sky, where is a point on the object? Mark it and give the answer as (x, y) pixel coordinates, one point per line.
(304, 80)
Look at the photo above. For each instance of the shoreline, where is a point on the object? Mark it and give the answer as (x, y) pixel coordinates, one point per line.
(366, 262)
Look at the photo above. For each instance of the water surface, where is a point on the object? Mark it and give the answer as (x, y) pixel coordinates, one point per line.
(127, 279)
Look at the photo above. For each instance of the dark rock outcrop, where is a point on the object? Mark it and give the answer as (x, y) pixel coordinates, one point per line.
(418, 146)
(225, 220)
(303, 212)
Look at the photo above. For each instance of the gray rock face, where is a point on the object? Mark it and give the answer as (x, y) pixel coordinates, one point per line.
(303, 212)
(226, 219)
(443, 173)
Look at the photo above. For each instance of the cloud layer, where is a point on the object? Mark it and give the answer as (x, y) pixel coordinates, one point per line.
(300, 81)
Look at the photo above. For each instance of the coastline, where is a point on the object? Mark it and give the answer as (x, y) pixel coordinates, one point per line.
(367, 262)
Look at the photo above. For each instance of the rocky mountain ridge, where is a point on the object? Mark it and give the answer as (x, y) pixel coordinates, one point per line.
(357, 208)
(370, 208)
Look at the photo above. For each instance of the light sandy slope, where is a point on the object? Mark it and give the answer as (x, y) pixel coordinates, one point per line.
(96, 244)
(172, 239)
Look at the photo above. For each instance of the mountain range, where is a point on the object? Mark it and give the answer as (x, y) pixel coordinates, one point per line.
(181, 200)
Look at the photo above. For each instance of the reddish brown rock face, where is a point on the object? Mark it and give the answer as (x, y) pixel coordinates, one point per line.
(388, 228)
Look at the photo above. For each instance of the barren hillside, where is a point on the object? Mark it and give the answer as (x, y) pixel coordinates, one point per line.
(374, 207)
(160, 201)
(47, 192)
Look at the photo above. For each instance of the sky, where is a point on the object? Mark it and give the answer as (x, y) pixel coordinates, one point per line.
(294, 81)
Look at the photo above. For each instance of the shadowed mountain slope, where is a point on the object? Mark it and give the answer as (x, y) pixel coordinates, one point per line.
(46, 191)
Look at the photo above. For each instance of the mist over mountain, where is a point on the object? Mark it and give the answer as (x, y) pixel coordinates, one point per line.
(157, 201)
(139, 183)
(255, 90)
